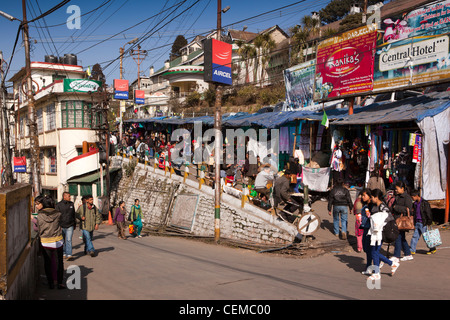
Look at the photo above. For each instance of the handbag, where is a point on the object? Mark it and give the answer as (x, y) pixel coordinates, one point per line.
(432, 237)
(405, 222)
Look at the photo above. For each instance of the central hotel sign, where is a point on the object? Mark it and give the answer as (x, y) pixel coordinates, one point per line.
(414, 48)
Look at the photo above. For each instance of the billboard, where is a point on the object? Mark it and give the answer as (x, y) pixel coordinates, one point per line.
(120, 89)
(81, 85)
(414, 48)
(20, 164)
(345, 64)
(299, 82)
(139, 96)
(217, 62)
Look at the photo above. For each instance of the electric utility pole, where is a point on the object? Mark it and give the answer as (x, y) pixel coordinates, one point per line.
(5, 128)
(139, 56)
(217, 139)
(34, 140)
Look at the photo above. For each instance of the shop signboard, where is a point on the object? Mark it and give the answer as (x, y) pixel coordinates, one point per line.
(120, 89)
(299, 82)
(20, 164)
(217, 62)
(81, 85)
(414, 48)
(344, 64)
(139, 97)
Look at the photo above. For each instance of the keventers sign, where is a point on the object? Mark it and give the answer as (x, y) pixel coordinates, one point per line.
(217, 62)
(344, 64)
(81, 85)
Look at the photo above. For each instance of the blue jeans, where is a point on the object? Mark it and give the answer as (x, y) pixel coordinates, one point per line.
(342, 212)
(377, 256)
(418, 231)
(67, 235)
(87, 239)
(401, 244)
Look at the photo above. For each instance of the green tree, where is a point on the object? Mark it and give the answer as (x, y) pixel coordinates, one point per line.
(337, 9)
(97, 73)
(301, 35)
(266, 45)
(179, 43)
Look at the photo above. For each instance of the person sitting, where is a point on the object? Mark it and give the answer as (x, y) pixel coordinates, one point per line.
(262, 179)
(281, 193)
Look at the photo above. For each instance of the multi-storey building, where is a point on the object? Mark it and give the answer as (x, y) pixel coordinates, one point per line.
(69, 115)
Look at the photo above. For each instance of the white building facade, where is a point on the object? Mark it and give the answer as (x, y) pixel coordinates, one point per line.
(68, 114)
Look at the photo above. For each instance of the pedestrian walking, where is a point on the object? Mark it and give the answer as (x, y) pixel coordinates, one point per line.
(422, 219)
(366, 206)
(67, 222)
(361, 211)
(378, 218)
(90, 219)
(402, 206)
(50, 234)
(136, 217)
(339, 199)
(119, 220)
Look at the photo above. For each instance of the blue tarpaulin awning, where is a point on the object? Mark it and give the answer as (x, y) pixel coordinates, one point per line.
(410, 109)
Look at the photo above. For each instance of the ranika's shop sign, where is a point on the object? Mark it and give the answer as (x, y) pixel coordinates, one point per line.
(414, 48)
(345, 64)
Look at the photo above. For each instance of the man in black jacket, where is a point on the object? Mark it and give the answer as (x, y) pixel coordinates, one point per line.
(281, 193)
(339, 198)
(67, 223)
(422, 219)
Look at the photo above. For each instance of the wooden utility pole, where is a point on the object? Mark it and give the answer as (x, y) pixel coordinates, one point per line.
(34, 140)
(217, 139)
(5, 129)
(139, 56)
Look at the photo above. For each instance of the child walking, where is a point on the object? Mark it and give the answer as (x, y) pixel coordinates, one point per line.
(422, 219)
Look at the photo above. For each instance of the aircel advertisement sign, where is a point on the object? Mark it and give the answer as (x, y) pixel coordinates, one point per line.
(81, 85)
(217, 62)
(414, 48)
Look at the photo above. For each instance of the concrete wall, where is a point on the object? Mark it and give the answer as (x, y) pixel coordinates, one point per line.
(18, 252)
(156, 190)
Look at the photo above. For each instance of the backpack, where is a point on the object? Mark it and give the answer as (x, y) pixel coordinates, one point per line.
(389, 199)
(390, 230)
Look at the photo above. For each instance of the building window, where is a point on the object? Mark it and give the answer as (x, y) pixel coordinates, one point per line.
(79, 114)
(39, 121)
(51, 160)
(42, 162)
(51, 117)
(56, 77)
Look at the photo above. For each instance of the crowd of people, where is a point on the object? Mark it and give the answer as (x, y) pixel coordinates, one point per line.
(55, 224)
(374, 209)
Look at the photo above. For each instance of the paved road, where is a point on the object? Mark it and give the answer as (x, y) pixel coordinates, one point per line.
(156, 267)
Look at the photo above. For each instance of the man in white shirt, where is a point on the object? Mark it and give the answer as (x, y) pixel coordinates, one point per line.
(262, 179)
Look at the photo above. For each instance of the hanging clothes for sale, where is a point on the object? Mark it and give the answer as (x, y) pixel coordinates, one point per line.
(284, 139)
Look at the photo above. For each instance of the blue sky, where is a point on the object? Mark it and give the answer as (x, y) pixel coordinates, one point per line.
(51, 35)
